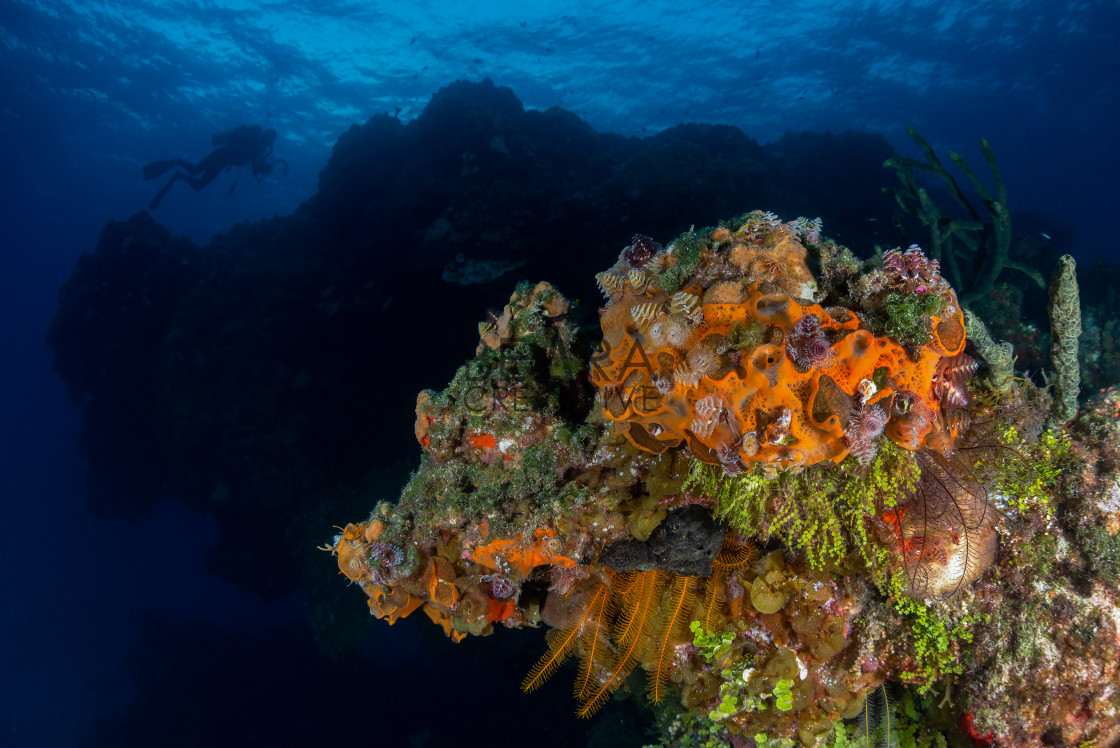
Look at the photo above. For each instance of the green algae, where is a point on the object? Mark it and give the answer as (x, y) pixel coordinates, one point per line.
(937, 639)
(686, 248)
(908, 317)
(1029, 472)
(821, 511)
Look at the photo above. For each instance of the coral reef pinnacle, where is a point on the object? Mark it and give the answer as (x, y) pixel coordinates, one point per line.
(735, 406)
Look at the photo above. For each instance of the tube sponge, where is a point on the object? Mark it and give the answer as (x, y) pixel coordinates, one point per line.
(1000, 357)
(1065, 329)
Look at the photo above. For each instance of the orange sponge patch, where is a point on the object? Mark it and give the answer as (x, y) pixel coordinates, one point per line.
(482, 441)
(771, 378)
(506, 554)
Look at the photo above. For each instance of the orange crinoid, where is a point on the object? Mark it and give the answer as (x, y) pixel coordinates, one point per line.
(738, 367)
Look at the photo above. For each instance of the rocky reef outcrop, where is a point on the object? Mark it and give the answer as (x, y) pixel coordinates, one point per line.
(857, 512)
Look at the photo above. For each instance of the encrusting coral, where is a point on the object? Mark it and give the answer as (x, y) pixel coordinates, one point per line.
(771, 495)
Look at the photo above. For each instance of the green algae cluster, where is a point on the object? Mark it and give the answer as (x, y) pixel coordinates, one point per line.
(821, 511)
(908, 317)
(686, 248)
(938, 641)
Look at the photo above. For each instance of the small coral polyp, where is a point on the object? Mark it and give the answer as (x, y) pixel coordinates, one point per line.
(738, 367)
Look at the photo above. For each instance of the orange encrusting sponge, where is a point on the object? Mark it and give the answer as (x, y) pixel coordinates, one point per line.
(504, 553)
(736, 371)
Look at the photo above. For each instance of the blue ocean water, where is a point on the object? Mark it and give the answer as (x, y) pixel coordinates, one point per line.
(121, 618)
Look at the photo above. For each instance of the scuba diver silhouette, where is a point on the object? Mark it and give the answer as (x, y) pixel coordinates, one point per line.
(249, 145)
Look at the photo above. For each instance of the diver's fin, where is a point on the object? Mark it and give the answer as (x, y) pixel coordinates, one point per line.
(154, 169)
(233, 186)
(162, 193)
